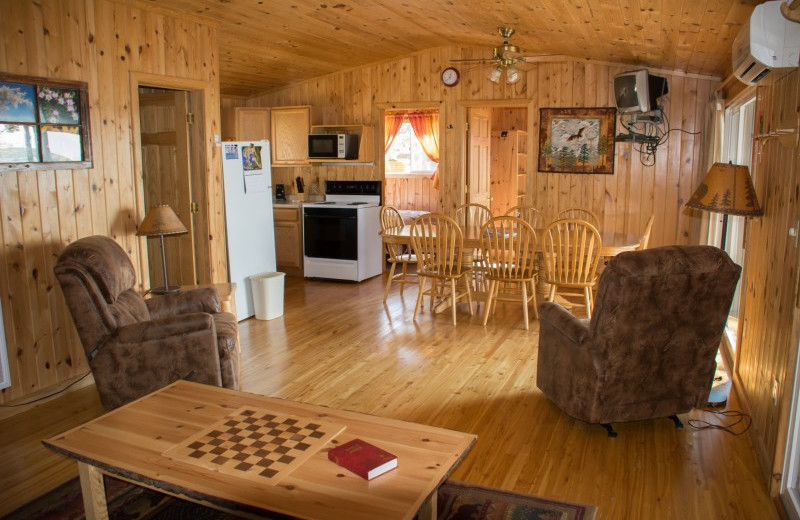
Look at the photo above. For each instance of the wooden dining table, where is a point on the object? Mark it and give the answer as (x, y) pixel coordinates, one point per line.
(612, 242)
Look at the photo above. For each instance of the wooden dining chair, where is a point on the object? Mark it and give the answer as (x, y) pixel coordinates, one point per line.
(439, 245)
(571, 250)
(579, 214)
(471, 217)
(397, 254)
(529, 214)
(646, 233)
(508, 245)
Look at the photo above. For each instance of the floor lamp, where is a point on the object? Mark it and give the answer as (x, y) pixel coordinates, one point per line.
(727, 189)
(160, 221)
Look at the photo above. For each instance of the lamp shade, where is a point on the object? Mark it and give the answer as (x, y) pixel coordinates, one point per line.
(727, 189)
(161, 220)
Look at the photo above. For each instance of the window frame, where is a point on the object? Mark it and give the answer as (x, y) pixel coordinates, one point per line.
(409, 175)
(84, 125)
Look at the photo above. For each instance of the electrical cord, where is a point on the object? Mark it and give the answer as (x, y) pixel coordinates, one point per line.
(47, 396)
(740, 425)
(650, 134)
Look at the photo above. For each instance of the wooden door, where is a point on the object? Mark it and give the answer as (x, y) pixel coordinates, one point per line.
(166, 166)
(502, 176)
(478, 162)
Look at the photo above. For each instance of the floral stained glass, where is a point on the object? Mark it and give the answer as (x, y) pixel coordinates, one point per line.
(59, 105)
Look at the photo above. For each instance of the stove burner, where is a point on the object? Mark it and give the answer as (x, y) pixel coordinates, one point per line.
(326, 202)
(355, 203)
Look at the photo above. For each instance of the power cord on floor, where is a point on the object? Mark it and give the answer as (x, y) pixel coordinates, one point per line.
(740, 424)
(47, 396)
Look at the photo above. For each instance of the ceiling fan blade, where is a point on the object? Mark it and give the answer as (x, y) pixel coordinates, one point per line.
(543, 58)
(475, 60)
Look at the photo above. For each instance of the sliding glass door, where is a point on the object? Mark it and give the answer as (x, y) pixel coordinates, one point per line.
(790, 483)
(737, 148)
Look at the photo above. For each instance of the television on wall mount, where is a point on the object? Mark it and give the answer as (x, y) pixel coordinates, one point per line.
(638, 91)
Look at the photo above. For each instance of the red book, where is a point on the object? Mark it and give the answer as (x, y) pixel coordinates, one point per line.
(363, 459)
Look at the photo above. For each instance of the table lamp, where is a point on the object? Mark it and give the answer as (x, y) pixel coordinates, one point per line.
(727, 189)
(160, 221)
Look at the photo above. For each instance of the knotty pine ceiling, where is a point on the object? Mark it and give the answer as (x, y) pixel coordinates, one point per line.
(267, 44)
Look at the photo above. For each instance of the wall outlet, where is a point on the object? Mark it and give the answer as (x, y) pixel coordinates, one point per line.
(775, 385)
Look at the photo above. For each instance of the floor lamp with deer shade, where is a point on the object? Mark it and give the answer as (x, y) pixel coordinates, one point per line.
(160, 221)
(727, 189)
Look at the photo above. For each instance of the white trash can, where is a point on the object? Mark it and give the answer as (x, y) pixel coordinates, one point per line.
(267, 295)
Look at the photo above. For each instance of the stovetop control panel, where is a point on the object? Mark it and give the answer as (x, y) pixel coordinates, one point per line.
(352, 187)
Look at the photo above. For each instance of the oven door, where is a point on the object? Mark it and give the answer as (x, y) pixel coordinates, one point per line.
(330, 233)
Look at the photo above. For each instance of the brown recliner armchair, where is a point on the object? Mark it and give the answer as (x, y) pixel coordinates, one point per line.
(135, 345)
(649, 348)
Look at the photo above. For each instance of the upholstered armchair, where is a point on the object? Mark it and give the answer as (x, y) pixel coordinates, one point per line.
(649, 348)
(136, 345)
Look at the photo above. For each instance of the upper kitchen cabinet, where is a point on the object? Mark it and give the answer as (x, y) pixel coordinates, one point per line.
(290, 129)
(245, 124)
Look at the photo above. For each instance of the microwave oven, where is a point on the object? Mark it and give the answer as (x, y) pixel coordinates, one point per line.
(332, 146)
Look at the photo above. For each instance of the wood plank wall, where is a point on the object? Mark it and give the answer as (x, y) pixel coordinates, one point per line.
(102, 43)
(768, 327)
(623, 201)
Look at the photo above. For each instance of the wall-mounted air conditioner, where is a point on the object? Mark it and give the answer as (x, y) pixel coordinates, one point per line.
(767, 44)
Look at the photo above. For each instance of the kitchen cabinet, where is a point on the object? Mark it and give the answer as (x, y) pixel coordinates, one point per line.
(245, 124)
(290, 127)
(365, 142)
(288, 238)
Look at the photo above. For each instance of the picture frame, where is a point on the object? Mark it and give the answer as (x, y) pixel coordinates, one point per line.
(44, 124)
(577, 140)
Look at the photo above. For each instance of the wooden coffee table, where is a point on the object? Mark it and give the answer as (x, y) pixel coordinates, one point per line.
(130, 443)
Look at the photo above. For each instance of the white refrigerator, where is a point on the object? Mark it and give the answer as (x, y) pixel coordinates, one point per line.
(249, 223)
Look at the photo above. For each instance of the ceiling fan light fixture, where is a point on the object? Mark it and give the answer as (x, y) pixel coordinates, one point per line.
(512, 75)
(494, 75)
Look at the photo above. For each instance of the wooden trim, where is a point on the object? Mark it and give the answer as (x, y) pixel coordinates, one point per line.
(379, 153)
(461, 124)
(199, 149)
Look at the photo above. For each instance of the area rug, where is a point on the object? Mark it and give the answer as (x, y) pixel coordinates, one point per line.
(456, 501)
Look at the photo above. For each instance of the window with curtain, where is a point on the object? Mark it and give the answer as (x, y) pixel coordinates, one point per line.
(411, 143)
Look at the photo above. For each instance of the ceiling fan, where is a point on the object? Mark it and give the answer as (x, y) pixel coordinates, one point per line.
(504, 56)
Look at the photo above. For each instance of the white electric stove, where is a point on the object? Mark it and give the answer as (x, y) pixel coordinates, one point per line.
(341, 235)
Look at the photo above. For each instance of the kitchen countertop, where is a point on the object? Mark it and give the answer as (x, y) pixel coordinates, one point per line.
(286, 204)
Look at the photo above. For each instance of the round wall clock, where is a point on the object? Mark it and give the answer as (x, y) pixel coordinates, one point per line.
(450, 76)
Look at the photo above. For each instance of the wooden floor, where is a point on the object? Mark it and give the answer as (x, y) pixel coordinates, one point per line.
(339, 345)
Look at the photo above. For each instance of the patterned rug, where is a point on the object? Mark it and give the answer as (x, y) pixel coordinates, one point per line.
(456, 501)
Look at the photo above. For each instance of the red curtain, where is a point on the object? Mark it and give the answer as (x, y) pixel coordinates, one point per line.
(426, 128)
(391, 127)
